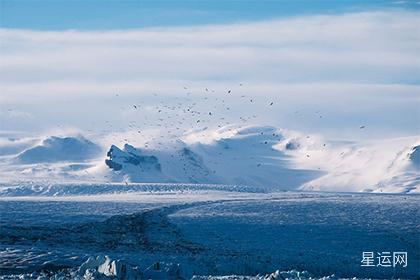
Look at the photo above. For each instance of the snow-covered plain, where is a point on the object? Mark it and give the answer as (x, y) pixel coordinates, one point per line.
(184, 231)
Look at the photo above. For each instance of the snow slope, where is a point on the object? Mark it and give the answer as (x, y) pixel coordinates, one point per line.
(279, 159)
(14, 145)
(378, 166)
(176, 164)
(245, 157)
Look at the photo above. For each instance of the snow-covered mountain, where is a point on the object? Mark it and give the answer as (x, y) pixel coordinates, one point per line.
(56, 149)
(175, 164)
(379, 166)
(403, 172)
(260, 156)
(131, 163)
(277, 159)
(236, 156)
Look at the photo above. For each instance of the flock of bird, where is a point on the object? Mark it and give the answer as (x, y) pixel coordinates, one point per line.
(196, 110)
(192, 111)
(176, 116)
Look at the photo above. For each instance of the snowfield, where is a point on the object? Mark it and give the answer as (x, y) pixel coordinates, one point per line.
(193, 231)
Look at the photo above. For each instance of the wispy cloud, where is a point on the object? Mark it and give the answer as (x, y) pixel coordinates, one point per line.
(364, 47)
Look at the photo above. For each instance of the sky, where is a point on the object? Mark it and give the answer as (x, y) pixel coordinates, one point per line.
(328, 67)
(111, 14)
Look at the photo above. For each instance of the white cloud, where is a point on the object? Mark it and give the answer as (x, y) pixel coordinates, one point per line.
(364, 47)
(303, 60)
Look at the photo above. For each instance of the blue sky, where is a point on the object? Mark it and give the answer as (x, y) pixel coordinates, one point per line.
(104, 15)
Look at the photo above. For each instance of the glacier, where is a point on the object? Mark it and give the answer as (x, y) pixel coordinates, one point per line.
(203, 231)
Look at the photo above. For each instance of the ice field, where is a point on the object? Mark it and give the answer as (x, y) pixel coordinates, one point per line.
(200, 231)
